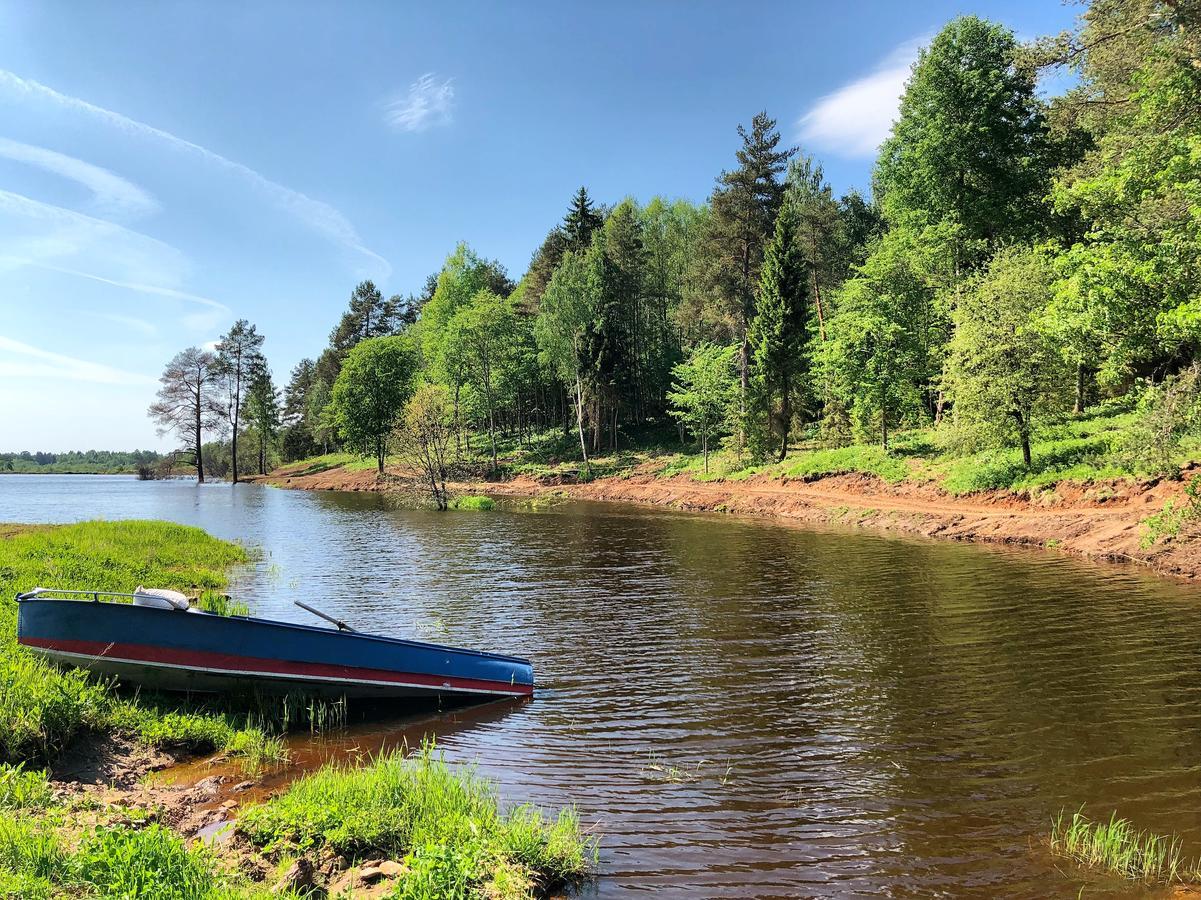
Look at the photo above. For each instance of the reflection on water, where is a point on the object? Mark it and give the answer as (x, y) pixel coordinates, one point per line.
(746, 709)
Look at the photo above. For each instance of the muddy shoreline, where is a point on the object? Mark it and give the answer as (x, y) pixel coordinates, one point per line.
(1099, 520)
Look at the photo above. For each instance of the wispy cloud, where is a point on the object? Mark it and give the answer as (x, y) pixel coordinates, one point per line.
(20, 360)
(33, 232)
(132, 323)
(855, 119)
(429, 101)
(110, 192)
(212, 314)
(316, 214)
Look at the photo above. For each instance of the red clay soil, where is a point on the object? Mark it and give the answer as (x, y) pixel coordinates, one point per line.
(1101, 519)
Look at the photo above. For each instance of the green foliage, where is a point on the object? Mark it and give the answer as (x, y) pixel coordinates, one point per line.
(369, 396)
(970, 145)
(151, 863)
(887, 337)
(1166, 414)
(1130, 284)
(23, 789)
(777, 338)
(78, 462)
(1004, 375)
(705, 390)
(445, 823)
(1174, 516)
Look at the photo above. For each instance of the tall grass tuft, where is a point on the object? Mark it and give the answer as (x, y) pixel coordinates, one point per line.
(22, 789)
(1117, 847)
(483, 504)
(445, 823)
(152, 863)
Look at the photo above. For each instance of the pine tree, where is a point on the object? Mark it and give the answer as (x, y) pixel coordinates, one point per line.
(777, 333)
(369, 315)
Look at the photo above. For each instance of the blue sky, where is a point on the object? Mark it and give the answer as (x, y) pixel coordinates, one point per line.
(168, 167)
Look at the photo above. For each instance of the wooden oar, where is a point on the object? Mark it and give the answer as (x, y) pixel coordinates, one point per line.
(342, 626)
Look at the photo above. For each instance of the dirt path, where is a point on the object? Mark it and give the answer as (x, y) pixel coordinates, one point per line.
(1102, 519)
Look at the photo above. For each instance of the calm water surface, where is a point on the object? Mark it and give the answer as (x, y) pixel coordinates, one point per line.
(745, 709)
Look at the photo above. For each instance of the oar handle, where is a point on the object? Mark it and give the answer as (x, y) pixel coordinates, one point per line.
(342, 626)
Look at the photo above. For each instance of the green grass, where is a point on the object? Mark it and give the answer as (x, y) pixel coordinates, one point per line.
(42, 707)
(445, 823)
(23, 789)
(1088, 447)
(38, 860)
(1115, 846)
(473, 502)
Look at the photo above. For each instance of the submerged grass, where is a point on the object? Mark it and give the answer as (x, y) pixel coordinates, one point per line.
(1115, 846)
(445, 824)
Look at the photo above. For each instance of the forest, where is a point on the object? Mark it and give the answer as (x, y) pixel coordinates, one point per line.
(1021, 261)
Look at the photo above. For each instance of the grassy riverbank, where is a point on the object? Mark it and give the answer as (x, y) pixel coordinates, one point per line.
(46, 708)
(442, 829)
(1084, 493)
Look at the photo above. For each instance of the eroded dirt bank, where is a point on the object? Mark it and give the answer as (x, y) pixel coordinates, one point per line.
(1102, 519)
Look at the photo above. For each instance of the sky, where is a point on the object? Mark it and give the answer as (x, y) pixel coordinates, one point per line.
(169, 167)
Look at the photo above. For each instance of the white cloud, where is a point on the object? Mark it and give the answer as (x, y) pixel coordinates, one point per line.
(427, 102)
(213, 311)
(855, 119)
(110, 191)
(21, 360)
(130, 322)
(33, 233)
(317, 215)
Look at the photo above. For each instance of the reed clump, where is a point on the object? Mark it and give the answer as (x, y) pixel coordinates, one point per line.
(1117, 847)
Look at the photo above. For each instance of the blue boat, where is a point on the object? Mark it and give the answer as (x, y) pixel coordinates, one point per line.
(160, 642)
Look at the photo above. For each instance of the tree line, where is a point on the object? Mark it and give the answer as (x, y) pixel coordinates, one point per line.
(1019, 259)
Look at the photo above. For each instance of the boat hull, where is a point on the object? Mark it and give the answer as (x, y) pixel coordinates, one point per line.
(193, 651)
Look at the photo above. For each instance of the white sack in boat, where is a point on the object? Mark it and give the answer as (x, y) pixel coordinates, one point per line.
(159, 598)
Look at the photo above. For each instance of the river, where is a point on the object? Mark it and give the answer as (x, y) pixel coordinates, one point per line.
(745, 709)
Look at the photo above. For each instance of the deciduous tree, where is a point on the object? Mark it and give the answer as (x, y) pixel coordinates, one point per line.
(369, 396)
(188, 403)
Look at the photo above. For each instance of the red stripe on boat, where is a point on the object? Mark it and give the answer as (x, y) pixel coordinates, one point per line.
(203, 659)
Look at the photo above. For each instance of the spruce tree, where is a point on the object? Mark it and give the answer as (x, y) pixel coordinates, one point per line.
(745, 204)
(777, 334)
(581, 220)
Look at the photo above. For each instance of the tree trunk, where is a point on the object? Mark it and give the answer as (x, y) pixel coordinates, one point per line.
(786, 421)
(379, 454)
(199, 457)
(821, 313)
(579, 408)
(1079, 407)
(883, 423)
(492, 433)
